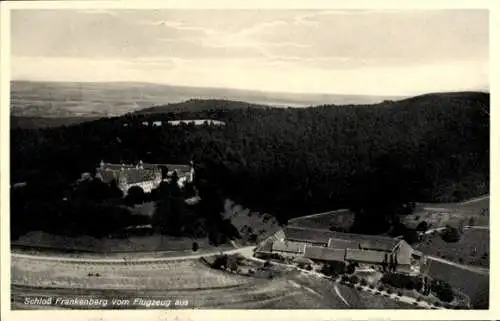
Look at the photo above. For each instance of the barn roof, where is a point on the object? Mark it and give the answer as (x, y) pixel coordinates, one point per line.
(369, 242)
(288, 246)
(324, 253)
(343, 244)
(340, 239)
(307, 235)
(365, 256)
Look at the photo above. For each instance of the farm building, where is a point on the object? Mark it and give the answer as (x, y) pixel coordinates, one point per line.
(325, 245)
(366, 256)
(308, 236)
(324, 254)
(288, 247)
(146, 176)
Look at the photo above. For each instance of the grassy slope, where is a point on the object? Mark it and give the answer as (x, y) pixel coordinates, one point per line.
(261, 224)
(475, 285)
(462, 251)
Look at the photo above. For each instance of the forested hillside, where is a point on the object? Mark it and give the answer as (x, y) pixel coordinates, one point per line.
(288, 161)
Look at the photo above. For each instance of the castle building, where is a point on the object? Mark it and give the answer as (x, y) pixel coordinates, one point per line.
(146, 176)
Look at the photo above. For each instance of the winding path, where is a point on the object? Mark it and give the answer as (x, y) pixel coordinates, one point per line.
(336, 288)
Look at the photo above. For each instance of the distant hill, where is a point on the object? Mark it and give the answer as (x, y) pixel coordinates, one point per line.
(72, 99)
(47, 122)
(198, 105)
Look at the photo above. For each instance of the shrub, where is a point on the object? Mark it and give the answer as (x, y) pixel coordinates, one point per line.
(195, 246)
(334, 268)
(344, 279)
(354, 279)
(400, 294)
(371, 286)
(451, 235)
(381, 288)
(410, 236)
(364, 282)
(442, 290)
(399, 280)
(135, 195)
(422, 226)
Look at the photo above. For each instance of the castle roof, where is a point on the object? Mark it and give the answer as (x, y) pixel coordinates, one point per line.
(138, 175)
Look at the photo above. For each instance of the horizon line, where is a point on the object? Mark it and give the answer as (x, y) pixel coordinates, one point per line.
(401, 95)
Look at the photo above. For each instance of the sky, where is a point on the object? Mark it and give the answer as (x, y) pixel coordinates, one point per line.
(383, 52)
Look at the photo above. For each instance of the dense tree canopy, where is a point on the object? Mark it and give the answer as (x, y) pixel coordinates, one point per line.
(285, 161)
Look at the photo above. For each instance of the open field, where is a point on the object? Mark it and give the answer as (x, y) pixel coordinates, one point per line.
(363, 300)
(441, 217)
(472, 249)
(440, 214)
(185, 274)
(260, 294)
(204, 287)
(436, 214)
(208, 289)
(340, 219)
(356, 299)
(474, 285)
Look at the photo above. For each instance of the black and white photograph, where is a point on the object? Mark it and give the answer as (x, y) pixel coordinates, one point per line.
(175, 158)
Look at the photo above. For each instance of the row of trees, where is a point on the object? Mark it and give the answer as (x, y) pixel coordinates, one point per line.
(441, 289)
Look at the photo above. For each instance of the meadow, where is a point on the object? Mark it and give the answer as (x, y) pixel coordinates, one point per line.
(172, 275)
(472, 249)
(472, 284)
